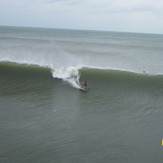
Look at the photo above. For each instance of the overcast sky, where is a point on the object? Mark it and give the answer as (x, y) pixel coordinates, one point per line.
(110, 15)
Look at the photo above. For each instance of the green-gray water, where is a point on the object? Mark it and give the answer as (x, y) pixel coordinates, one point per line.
(44, 117)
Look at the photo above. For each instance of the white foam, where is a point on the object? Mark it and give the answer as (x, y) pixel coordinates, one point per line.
(68, 74)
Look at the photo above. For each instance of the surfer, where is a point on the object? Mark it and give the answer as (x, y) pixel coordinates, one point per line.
(84, 84)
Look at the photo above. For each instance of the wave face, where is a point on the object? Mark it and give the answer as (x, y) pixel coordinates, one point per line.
(100, 79)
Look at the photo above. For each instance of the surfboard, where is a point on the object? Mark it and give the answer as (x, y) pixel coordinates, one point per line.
(82, 89)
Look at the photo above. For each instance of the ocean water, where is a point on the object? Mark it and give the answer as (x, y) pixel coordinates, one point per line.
(45, 117)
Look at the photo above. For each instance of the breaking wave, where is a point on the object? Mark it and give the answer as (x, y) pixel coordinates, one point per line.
(70, 75)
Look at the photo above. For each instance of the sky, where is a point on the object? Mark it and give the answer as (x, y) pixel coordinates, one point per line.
(142, 16)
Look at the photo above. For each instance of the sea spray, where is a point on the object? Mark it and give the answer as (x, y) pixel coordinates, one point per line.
(68, 74)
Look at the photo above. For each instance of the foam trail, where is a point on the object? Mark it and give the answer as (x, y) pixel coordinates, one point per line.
(68, 74)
